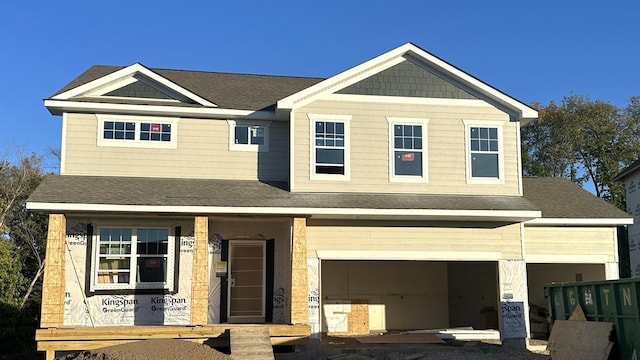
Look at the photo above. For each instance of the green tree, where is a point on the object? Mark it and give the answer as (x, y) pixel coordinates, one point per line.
(22, 245)
(584, 141)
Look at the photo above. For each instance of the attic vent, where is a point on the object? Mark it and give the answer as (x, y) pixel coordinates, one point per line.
(139, 89)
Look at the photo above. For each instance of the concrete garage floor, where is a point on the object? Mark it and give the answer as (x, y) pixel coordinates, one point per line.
(349, 348)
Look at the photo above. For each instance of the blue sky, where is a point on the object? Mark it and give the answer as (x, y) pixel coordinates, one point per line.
(536, 51)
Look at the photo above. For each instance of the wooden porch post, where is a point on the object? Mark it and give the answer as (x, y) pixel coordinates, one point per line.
(299, 281)
(53, 283)
(200, 272)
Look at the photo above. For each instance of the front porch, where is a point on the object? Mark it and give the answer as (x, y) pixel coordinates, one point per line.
(85, 338)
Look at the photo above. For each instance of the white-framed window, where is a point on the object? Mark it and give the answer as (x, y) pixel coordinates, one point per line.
(485, 155)
(408, 149)
(136, 131)
(132, 258)
(329, 147)
(247, 135)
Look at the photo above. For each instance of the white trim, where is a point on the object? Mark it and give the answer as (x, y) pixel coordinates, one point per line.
(408, 255)
(123, 75)
(424, 178)
(346, 120)
(248, 147)
(137, 143)
(566, 259)
(63, 146)
(468, 124)
(487, 215)
(579, 222)
(58, 107)
(378, 99)
(292, 151)
(392, 58)
(519, 156)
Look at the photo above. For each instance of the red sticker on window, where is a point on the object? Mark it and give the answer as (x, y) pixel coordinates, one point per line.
(153, 263)
(156, 128)
(407, 157)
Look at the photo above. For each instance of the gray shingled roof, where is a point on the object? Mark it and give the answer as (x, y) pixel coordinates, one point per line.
(628, 170)
(234, 193)
(560, 198)
(228, 91)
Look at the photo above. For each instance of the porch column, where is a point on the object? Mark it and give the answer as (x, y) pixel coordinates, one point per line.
(200, 272)
(514, 300)
(299, 284)
(53, 283)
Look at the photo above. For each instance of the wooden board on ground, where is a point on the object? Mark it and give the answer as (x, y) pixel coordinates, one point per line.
(401, 339)
(578, 340)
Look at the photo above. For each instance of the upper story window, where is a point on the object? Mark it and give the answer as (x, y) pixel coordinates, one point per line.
(329, 147)
(133, 131)
(408, 152)
(247, 135)
(484, 152)
(132, 258)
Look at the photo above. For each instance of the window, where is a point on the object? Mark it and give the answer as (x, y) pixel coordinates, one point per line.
(248, 136)
(408, 155)
(484, 144)
(132, 258)
(130, 131)
(329, 147)
(329, 150)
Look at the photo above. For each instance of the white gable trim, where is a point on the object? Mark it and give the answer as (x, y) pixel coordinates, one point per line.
(392, 58)
(124, 76)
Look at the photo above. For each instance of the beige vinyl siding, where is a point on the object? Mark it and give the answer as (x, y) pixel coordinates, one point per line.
(369, 148)
(570, 241)
(202, 152)
(439, 238)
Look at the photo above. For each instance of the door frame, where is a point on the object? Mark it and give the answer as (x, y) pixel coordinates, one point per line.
(247, 319)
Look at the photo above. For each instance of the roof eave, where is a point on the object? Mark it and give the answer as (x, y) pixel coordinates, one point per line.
(58, 107)
(511, 216)
(579, 222)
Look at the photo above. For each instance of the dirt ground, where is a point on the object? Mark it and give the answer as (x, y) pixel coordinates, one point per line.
(155, 349)
(342, 349)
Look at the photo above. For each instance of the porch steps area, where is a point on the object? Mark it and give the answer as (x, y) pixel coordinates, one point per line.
(251, 343)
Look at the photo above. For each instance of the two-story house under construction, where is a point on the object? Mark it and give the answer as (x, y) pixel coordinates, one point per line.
(386, 197)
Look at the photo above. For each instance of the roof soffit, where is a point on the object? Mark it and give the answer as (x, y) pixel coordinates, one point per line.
(129, 75)
(420, 57)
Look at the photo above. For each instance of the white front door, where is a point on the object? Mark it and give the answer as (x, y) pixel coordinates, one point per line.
(246, 281)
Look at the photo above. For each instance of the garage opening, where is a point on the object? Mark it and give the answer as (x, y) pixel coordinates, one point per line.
(360, 297)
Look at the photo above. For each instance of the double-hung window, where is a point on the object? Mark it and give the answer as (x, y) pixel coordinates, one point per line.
(408, 150)
(484, 151)
(133, 131)
(133, 258)
(249, 135)
(330, 147)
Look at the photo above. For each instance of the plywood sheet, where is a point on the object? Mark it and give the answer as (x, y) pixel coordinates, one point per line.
(579, 340)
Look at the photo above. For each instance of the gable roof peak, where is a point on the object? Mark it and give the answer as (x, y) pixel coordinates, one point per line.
(516, 109)
(123, 76)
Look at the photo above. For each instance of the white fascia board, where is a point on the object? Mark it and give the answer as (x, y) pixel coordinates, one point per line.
(57, 107)
(394, 57)
(579, 222)
(128, 72)
(400, 213)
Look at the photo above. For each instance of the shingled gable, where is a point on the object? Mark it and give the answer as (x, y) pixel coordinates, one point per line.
(414, 54)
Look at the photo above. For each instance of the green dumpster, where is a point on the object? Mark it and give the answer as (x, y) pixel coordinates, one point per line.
(616, 301)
